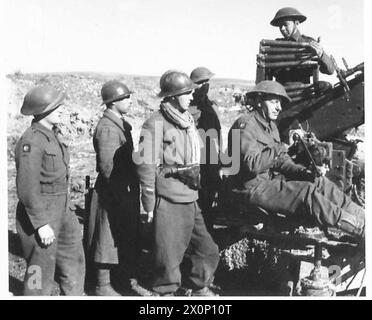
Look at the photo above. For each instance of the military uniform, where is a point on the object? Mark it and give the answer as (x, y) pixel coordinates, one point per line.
(42, 162)
(271, 180)
(178, 225)
(210, 162)
(114, 215)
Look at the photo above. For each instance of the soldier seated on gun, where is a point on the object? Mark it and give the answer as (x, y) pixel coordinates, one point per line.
(168, 173)
(288, 20)
(269, 178)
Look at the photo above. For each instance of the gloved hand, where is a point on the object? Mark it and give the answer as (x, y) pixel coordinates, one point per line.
(305, 174)
(281, 148)
(317, 48)
(189, 176)
(46, 235)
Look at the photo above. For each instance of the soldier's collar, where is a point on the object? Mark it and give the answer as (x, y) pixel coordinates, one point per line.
(266, 125)
(296, 35)
(115, 118)
(116, 114)
(39, 127)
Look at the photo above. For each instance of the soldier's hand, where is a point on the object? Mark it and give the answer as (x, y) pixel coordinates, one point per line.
(299, 132)
(317, 48)
(323, 170)
(46, 235)
(147, 217)
(306, 175)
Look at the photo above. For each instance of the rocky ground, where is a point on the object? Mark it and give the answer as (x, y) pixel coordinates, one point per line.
(238, 274)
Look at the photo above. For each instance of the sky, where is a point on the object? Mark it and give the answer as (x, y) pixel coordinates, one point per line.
(148, 37)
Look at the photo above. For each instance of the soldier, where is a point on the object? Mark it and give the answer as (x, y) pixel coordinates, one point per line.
(288, 20)
(114, 215)
(168, 174)
(49, 230)
(270, 179)
(209, 127)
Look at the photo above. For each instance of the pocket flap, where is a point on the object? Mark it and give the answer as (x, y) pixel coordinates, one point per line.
(51, 150)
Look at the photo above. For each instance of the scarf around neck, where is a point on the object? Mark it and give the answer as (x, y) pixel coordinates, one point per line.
(184, 121)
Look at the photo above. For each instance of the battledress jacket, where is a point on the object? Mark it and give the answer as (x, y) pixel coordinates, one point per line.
(114, 207)
(42, 163)
(162, 144)
(262, 154)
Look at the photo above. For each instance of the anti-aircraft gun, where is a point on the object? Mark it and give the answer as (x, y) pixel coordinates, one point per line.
(325, 113)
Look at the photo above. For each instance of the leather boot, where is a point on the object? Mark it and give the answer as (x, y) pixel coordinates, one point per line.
(104, 287)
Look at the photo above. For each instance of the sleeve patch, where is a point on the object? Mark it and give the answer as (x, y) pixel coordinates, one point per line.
(26, 147)
(242, 125)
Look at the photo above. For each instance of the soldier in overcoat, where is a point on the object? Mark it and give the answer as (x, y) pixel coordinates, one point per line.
(209, 127)
(114, 211)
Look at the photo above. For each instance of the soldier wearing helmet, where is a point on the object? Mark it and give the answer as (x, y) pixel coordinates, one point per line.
(288, 20)
(168, 173)
(269, 178)
(206, 118)
(114, 210)
(49, 230)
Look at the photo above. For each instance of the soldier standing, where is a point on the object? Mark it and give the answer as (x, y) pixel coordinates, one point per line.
(168, 174)
(114, 216)
(209, 126)
(49, 230)
(270, 179)
(288, 20)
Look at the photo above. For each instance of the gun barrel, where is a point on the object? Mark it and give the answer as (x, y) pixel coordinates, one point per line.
(285, 57)
(287, 64)
(359, 67)
(283, 50)
(283, 43)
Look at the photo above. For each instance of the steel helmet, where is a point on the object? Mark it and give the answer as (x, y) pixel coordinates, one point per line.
(269, 87)
(201, 74)
(114, 90)
(174, 82)
(287, 13)
(41, 99)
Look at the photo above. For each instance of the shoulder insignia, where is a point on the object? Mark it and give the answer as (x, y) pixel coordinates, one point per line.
(26, 147)
(242, 125)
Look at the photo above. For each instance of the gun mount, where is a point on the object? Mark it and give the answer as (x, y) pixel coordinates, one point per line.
(326, 112)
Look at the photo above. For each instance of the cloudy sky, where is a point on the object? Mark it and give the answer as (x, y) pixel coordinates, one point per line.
(148, 37)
